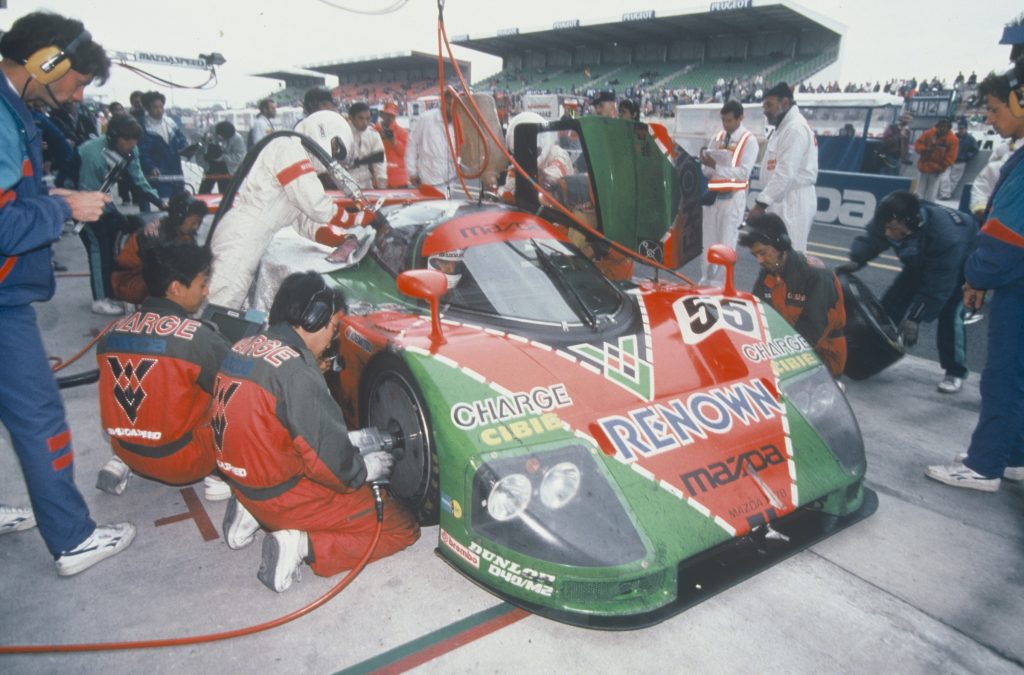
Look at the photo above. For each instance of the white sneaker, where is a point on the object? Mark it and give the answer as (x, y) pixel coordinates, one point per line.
(215, 489)
(16, 519)
(105, 541)
(951, 384)
(283, 553)
(240, 526)
(1009, 473)
(113, 477)
(959, 475)
(107, 306)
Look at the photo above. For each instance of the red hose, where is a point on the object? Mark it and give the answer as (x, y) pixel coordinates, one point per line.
(442, 37)
(209, 637)
(60, 365)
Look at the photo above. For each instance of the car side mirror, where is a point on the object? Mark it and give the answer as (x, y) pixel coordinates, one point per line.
(720, 254)
(427, 285)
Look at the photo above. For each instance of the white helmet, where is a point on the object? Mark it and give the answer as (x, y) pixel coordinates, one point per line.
(526, 116)
(448, 263)
(323, 127)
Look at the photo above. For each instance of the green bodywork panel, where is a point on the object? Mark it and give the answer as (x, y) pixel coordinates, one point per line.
(632, 180)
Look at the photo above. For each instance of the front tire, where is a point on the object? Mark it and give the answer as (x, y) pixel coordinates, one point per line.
(393, 402)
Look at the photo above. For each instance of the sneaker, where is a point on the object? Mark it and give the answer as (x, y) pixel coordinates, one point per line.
(113, 477)
(215, 489)
(107, 306)
(283, 554)
(959, 475)
(105, 541)
(16, 519)
(1009, 473)
(240, 527)
(951, 384)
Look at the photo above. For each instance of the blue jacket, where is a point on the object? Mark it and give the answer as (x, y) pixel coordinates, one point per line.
(30, 219)
(936, 251)
(156, 153)
(997, 262)
(967, 148)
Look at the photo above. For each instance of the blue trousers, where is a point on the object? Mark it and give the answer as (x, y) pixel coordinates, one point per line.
(950, 337)
(998, 440)
(33, 412)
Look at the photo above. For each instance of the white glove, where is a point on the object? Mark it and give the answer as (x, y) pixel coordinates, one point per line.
(378, 466)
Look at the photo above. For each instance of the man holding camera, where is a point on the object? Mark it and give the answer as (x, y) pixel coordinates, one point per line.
(366, 159)
(395, 139)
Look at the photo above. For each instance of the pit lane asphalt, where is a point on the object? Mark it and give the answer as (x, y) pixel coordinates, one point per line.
(931, 583)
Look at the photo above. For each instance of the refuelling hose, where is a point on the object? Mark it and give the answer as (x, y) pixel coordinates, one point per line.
(442, 38)
(225, 635)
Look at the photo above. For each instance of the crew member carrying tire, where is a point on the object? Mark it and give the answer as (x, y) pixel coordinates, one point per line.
(932, 241)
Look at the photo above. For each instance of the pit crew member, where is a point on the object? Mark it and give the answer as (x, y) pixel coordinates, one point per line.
(156, 375)
(284, 448)
(281, 189)
(932, 241)
(789, 168)
(36, 54)
(396, 138)
(997, 263)
(728, 183)
(366, 156)
(428, 159)
(799, 287)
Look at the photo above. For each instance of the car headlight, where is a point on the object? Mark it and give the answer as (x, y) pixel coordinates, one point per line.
(557, 505)
(561, 483)
(509, 497)
(817, 397)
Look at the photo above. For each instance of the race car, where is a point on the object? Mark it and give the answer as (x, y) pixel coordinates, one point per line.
(581, 442)
(602, 449)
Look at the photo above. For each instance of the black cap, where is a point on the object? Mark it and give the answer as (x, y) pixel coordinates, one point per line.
(780, 90)
(769, 229)
(603, 96)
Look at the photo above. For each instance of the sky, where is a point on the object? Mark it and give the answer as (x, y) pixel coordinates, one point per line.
(883, 39)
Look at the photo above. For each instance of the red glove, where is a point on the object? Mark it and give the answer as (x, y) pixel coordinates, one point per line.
(333, 233)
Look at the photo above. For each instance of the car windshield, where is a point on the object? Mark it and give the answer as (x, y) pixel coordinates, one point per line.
(533, 280)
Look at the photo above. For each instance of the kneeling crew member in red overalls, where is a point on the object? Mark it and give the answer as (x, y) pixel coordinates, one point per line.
(800, 288)
(157, 369)
(283, 446)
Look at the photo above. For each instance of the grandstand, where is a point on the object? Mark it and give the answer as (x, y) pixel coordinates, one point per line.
(296, 82)
(401, 76)
(731, 40)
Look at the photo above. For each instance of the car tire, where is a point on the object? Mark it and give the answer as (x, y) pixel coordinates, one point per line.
(873, 342)
(392, 401)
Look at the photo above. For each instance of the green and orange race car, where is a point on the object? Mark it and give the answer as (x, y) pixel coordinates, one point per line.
(603, 453)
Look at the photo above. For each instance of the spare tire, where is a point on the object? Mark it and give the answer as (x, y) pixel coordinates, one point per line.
(873, 342)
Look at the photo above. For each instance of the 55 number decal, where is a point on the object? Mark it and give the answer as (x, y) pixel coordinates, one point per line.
(700, 316)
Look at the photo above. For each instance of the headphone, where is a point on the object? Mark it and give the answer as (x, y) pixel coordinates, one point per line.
(780, 241)
(318, 311)
(50, 63)
(1016, 98)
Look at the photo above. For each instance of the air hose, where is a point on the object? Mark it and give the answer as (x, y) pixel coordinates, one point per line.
(225, 635)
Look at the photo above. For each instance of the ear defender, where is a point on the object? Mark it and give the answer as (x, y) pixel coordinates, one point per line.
(49, 64)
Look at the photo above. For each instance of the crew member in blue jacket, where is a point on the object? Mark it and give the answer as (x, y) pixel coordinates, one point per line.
(932, 242)
(997, 264)
(160, 147)
(36, 54)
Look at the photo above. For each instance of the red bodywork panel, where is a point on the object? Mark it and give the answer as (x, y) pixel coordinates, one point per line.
(713, 405)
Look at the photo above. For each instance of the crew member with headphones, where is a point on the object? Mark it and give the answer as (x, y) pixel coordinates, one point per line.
(49, 59)
(932, 241)
(283, 446)
(799, 287)
(997, 264)
(99, 157)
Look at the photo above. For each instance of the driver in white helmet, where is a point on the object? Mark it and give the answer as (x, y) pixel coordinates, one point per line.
(281, 189)
(448, 263)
